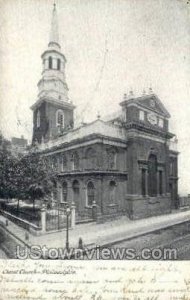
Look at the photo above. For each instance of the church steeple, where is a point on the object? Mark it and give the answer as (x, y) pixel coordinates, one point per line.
(54, 32)
(53, 111)
(53, 83)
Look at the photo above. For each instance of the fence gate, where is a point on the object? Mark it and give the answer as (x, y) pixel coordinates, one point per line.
(56, 217)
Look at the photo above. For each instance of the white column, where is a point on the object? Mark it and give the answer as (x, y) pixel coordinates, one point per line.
(54, 63)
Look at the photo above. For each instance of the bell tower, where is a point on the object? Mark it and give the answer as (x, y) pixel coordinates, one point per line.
(53, 111)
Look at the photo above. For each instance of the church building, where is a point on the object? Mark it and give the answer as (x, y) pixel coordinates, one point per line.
(125, 164)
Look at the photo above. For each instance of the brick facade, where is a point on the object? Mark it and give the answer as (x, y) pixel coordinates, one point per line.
(124, 165)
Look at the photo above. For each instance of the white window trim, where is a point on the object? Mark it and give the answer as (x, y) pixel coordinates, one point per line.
(161, 122)
(141, 115)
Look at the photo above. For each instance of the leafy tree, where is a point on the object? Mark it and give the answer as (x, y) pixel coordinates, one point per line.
(24, 177)
(7, 169)
(35, 177)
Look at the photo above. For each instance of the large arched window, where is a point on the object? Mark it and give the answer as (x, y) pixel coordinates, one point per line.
(91, 159)
(50, 62)
(60, 118)
(112, 189)
(75, 161)
(76, 186)
(38, 119)
(111, 159)
(64, 191)
(54, 163)
(58, 64)
(152, 175)
(90, 193)
(64, 162)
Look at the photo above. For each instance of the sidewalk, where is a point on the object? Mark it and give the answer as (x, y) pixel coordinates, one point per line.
(100, 234)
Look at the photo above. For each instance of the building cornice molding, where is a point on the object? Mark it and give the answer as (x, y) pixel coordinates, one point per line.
(87, 141)
(148, 129)
(93, 172)
(53, 51)
(62, 104)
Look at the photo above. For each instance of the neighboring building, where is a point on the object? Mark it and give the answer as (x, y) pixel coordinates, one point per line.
(18, 145)
(124, 164)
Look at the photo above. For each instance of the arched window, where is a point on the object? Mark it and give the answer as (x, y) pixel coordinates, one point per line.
(64, 162)
(64, 191)
(50, 62)
(112, 188)
(38, 119)
(54, 163)
(111, 159)
(75, 161)
(60, 118)
(90, 193)
(91, 159)
(76, 186)
(58, 64)
(152, 175)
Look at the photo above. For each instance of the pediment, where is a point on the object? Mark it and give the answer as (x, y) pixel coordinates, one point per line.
(153, 103)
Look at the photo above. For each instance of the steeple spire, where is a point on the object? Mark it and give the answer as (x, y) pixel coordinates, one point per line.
(54, 32)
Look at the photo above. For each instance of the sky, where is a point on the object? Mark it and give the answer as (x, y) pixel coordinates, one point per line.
(111, 46)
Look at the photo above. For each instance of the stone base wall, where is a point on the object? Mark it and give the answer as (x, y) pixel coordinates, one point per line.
(139, 207)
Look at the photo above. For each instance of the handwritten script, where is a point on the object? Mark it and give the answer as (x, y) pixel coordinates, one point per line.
(96, 280)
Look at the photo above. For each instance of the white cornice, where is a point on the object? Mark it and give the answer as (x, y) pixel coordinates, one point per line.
(103, 141)
(53, 101)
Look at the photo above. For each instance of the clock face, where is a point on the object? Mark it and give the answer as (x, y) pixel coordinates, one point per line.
(152, 118)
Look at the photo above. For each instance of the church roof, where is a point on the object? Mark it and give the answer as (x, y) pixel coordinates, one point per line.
(112, 116)
(95, 128)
